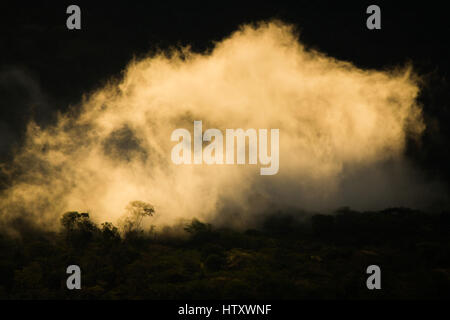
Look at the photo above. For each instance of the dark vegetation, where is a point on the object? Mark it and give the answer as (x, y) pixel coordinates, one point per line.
(325, 257)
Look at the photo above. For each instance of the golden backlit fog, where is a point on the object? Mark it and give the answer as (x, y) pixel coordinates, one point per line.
(339, 125)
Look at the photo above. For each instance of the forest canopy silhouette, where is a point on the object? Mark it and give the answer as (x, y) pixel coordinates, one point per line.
(322, 257)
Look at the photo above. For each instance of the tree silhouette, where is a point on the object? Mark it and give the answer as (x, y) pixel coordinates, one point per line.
(136, 211)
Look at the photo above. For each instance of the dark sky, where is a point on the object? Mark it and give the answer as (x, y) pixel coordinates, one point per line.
(45, 67)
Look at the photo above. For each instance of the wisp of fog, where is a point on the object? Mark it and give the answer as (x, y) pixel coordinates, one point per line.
(342, 133)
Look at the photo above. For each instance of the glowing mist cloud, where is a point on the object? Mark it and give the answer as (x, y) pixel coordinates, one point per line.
(333, 119)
